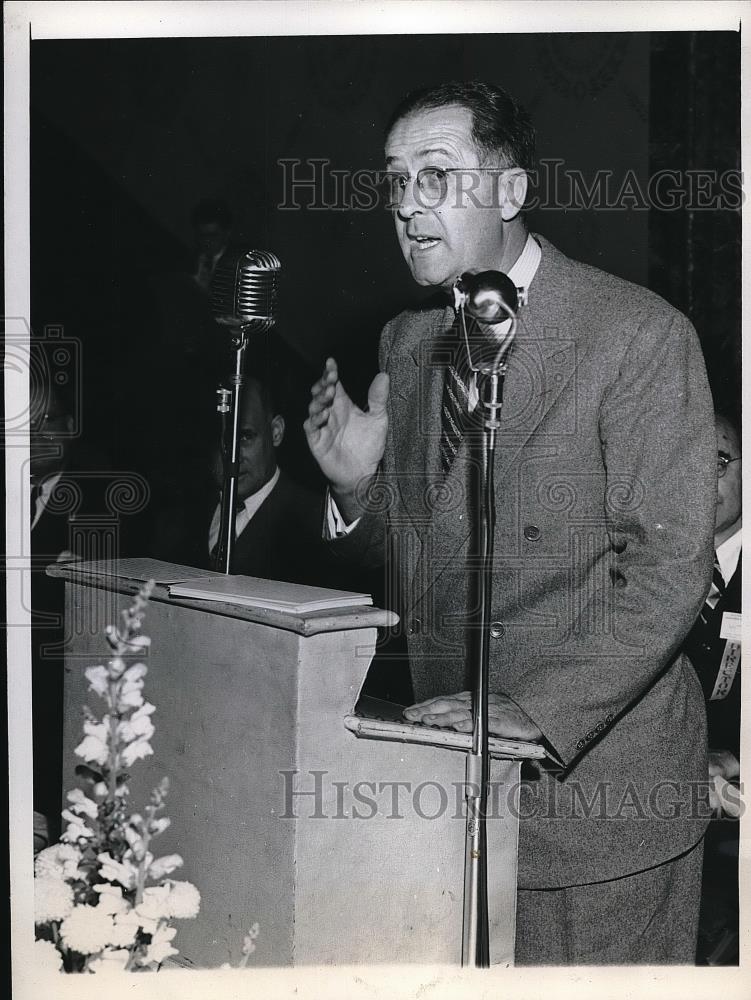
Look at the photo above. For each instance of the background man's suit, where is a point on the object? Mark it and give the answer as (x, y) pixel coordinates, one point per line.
(605, 489)
(705, 649)
(282, 541)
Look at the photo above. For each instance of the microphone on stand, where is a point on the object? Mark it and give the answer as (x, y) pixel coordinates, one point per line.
(244, 289)
(489, 300)
(489, 297)
(243, 298)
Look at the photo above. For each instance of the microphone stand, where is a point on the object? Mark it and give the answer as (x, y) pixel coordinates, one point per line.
(475, 925)
(229, 402)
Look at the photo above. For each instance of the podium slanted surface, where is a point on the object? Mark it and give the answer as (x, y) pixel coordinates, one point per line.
(345, 849)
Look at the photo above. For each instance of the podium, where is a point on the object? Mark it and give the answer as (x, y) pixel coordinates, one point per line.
(344, 849)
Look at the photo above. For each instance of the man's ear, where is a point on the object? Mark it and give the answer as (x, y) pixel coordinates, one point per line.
(513, 192)
(277, 430)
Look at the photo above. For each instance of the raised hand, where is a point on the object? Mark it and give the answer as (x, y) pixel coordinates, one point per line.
(347, 442)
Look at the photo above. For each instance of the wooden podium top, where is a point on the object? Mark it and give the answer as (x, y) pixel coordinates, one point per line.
(127, 576)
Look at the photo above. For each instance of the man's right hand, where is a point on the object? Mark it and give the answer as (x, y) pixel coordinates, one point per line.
(346, 441)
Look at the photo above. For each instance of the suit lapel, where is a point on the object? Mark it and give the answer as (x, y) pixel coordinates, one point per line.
(541, 366)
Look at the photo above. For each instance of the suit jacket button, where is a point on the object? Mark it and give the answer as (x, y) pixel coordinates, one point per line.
(532, 532)
(497, 630)
(414, 626)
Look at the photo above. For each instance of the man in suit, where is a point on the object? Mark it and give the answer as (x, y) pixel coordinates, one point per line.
(51, 430)
(715, 655)
(278, 523)
(66, 487)
(212, 226)
(600, 563)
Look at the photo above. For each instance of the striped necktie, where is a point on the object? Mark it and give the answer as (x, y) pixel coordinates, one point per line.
(455, 405)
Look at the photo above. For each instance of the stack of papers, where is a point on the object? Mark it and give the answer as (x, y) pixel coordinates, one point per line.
(251, 592)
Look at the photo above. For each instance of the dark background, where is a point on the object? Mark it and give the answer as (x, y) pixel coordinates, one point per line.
(127, 135)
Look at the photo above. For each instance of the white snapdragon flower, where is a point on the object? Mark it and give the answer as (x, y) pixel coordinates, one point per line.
(183, 901)
(154, 906)
(98, 680)
(160, 947)
(76, 828)
(123, 933)
(165, 866)
(139, 725)
(132, 920)
(129, 694)
(94, 747)
(53, 899)
(82, 805)
(116, 667)
(124, 872)
(157, 826)
(137, 750)
(46, 957)
(111, 899)
(86, 930)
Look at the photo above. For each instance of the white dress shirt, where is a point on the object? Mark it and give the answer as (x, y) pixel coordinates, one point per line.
(728, 554)
(249, 508)
(47, 486)
(521, 273)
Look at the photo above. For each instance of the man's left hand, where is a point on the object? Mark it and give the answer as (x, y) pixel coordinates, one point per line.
(505, 718)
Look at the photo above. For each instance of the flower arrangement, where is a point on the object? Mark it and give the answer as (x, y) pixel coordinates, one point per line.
(103, 901)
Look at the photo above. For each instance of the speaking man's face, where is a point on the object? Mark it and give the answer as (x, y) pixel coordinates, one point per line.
(441, 236)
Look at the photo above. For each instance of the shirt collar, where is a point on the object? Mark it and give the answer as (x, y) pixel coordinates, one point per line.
(525, 266)
(254, 501)
(728, 554)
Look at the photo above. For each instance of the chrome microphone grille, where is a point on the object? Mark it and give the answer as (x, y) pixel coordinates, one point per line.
(244, 288)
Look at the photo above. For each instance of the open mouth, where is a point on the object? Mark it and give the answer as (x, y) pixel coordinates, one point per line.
(421, 243)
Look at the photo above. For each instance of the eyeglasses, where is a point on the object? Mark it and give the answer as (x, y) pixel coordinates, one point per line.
(723, 461)
(431, 182)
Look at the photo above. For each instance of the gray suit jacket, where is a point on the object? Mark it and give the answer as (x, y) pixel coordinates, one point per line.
(605, 492)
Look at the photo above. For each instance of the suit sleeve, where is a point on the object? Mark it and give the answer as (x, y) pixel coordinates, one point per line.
(656, 431)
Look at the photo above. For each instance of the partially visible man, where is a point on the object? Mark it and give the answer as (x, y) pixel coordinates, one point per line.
(278, 526)
(600, 564)
(713, 646)
(278, 521)
(212, 226)
(65, 485)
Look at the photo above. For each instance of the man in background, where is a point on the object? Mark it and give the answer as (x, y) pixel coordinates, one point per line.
(278, 525)
(67, 511)
(713, 646)
(277, 521)
(212, 226)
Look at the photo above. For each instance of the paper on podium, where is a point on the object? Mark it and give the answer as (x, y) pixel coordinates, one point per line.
(252, 592)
